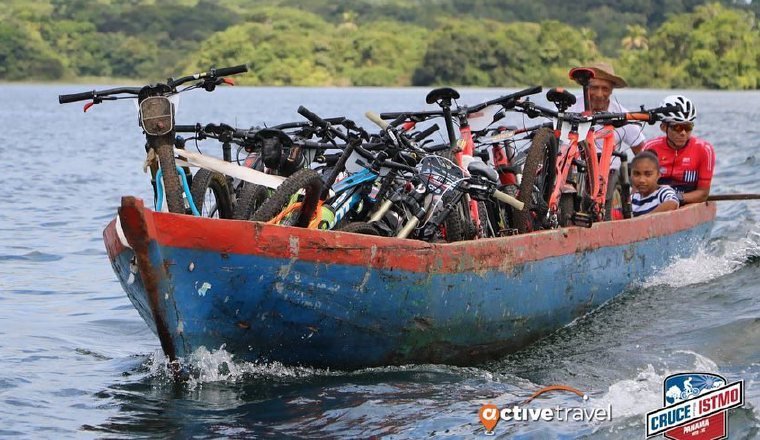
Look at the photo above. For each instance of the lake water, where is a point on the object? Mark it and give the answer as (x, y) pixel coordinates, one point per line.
(76, 360)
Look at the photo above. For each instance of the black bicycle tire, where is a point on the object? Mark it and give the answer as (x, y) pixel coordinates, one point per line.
(535, 158)
(306, 179)
(250, 198)
(485, 220)
(455, 226)
(613, 185)
(172, 189)
(364, 228)
(566, 209)
(204, 180)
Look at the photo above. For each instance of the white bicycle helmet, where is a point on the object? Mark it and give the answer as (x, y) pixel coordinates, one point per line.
(687, 114)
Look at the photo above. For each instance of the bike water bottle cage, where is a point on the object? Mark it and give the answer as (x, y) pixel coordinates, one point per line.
(561, 98)
(582, 75)
(443, 94)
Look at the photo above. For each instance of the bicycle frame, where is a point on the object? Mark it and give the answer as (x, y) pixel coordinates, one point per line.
(598, 168)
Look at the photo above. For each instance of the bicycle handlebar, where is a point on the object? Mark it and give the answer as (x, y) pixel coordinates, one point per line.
(83, 96)
(188, 128)
(427, 132)
(509, 200)
(414, 116)
(650, 116)
(365, 153)
(226, 71)
(171, 83)
(507, 101)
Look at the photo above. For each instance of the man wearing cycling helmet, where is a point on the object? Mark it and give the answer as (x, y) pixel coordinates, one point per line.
(686, 162)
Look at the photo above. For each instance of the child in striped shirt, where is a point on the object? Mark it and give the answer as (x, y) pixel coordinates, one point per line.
(650, 196)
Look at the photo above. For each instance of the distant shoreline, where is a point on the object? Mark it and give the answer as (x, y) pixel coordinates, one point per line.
(129, 82)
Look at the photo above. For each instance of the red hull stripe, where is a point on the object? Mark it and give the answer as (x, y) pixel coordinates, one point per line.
(250, 238)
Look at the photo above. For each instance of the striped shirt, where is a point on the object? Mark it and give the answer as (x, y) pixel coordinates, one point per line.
(644, 205)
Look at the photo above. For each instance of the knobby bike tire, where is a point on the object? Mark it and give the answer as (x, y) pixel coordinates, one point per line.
(455, 223)
(250, 198)
(566, 209)
(487, 229)
(172, 188)
(617, 195)
(204, 181)
(536, 157)
(360, 228)
(308, 180)
(587, 195)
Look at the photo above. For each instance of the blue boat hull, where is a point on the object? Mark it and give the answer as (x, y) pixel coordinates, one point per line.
(326, 299)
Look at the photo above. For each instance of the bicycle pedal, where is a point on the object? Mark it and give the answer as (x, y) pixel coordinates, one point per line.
(582, 219)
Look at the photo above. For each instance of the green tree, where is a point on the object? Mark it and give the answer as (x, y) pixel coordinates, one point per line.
(714, 47)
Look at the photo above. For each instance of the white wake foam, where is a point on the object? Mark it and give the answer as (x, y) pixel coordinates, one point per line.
(707, 265)
(636, 397)
(204, 366)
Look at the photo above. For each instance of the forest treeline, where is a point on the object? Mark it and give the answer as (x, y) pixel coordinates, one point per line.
(653, 43)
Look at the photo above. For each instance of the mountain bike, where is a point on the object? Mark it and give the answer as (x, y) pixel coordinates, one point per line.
(467, 222)
(157, 120)
(571, 187)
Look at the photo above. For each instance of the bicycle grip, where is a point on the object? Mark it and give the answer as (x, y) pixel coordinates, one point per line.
(427, 132)
(509, 200)
(224, 71)
(665, 109)
(306, 113)
(187, 128)
(74, 97)
(529, 91)
(391, 115)
(374, 117)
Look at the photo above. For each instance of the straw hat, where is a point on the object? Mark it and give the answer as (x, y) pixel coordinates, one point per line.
(605, 71)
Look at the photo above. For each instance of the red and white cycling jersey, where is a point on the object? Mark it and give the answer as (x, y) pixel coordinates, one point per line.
(685, 169)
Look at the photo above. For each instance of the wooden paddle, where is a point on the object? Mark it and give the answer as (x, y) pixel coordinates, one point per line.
(717, 197)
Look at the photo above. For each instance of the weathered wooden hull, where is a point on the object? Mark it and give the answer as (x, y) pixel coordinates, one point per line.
(330, 299)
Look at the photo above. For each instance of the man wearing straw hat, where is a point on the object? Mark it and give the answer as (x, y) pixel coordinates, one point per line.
(599, 95)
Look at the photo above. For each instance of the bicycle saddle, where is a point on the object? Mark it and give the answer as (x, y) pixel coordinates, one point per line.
(479, 168)
(581, 75)
(443, 93)
(561, 98)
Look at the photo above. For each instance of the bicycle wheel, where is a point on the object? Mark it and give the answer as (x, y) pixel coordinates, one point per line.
(211, 194)
(360, 228)
(250, 198)
(566, 209)
(535, 186)
(484, 215)
(456, 223)
(304, 179)
(617, 196)
(172, 188)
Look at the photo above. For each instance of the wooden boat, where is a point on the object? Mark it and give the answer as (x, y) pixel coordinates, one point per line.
(347, 301)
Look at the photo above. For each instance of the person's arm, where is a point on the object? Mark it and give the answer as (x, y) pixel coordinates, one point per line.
(668, 205)
(696, 196)
(633, 136)
(706, 167)
(637, 148)
(669, 200)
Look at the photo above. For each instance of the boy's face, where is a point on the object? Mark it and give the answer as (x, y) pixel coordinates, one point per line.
(644, 176)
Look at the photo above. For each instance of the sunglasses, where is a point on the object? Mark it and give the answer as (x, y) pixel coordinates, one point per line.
(681, 127)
